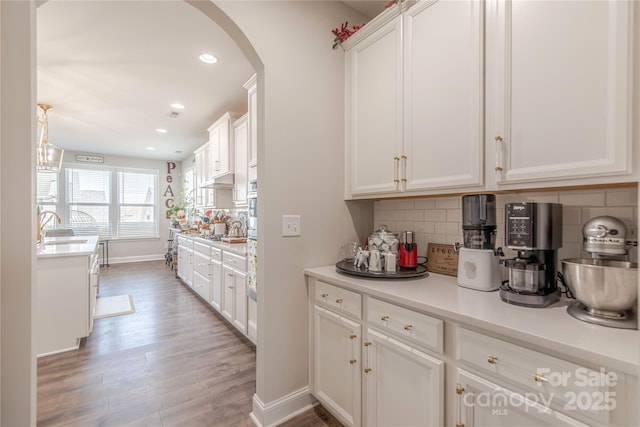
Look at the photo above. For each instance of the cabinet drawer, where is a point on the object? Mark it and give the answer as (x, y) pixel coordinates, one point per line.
(185, 241)
(202, 264)
(411, 325)
(202, 248)
(339, 298)
(567, 384)
(236, 261)
(202, 285)
(216, 253)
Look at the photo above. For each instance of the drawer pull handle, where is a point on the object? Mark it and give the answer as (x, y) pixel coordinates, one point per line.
(408, 327)
(384, 318)
(539, 378)
(339, 301)
(492, 359)
(352, 337)
(367, 370)
(367, 343)
(324, 295)
(352, 361)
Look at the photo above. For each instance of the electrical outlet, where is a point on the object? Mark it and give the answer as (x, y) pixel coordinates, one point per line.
(290, 225)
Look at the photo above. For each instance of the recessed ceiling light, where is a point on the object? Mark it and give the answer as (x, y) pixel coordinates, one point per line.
(161, 130)
(177, 106)
(207, 58)
(150, 148)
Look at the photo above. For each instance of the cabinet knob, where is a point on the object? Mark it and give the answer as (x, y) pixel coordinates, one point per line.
(352, 337)
(498, 138)
(539, 378)
(384, 318)
(492, 359)
(352, 361)
(367, 343)
(324, 295)
(339, 301)
(459, 389)
(367, 370)
(408, 327)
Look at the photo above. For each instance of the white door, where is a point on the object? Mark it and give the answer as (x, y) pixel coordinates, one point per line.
(337, 375)
(402, 386)
(443, 94)
(374, 112)
(216, 284)
(559, 89)
(480, 402)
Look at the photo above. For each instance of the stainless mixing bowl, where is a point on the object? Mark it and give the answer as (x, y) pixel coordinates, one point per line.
(602, 285)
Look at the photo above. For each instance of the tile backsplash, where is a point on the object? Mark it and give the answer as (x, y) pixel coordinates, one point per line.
(439, 220)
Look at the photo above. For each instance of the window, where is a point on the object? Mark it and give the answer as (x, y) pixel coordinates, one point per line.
(108, 202)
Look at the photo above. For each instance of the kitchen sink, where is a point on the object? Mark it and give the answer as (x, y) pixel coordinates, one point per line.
(65, 242)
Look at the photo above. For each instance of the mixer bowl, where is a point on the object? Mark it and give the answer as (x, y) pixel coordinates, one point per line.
(602, 285)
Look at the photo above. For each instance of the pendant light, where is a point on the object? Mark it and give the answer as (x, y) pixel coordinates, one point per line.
(48, 156)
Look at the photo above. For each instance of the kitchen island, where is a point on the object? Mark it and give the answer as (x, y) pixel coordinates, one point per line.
(66, 287)
(429, 340)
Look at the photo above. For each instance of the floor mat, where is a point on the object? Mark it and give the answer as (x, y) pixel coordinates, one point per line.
(114, 306)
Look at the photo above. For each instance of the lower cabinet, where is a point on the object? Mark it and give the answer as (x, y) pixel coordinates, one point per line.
(216, 284)
(337, 367)
(234, 300)
(480, 402)
(375, 378)
(402, 386)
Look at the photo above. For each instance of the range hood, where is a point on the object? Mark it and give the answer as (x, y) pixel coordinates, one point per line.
(224, 180)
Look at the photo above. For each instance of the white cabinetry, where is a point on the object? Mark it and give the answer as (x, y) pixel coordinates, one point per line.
(252, 101)
(222, 148)
(234, 300)
(202, 270)
(185, 260)
(415, 100)
(241, 160)
(560, 100)
(216, 278)
(386, 380)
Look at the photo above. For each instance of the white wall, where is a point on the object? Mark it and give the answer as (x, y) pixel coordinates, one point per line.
(143, 249)
(17, 212)
(300, 158)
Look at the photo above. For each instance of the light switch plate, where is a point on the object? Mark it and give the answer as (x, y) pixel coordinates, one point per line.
(290, 225)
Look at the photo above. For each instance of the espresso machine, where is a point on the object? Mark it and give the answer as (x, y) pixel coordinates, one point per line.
(478, 260)
(534, 230)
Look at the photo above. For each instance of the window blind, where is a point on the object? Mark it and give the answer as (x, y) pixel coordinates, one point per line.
(137, 201)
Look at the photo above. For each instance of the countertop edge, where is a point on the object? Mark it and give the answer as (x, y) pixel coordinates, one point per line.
(562, 340)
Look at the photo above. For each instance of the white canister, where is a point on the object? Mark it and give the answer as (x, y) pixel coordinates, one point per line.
(375, 263)
(390, 262)
(219, 228)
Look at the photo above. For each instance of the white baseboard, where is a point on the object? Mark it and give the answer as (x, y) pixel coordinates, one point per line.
(126, 259)
(283, 409)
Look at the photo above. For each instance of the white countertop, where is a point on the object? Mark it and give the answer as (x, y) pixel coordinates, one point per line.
(551, 327)
(58, 246)
(238, 248)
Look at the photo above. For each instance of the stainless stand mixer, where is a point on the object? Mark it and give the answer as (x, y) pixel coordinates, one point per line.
(605, 285)
(534, 230)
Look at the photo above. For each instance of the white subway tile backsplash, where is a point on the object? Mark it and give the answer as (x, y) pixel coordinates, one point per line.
(583, 198)
(439, 220)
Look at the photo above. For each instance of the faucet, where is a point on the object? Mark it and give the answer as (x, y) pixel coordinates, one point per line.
(39, 222)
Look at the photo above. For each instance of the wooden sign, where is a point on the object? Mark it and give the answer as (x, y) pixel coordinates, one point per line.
(442, 259)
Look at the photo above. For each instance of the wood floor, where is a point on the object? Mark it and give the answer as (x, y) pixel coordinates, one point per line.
(174, 362)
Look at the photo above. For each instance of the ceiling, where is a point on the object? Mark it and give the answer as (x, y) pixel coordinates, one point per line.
(111, 70)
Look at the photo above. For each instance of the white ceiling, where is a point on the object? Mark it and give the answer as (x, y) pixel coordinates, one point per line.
(111, 69)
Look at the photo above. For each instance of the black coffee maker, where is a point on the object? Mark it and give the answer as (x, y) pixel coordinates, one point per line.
(534, 230)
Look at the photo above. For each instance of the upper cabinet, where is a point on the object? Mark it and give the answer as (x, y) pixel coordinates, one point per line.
(252, 127)
(221, 146)
(560, 97)
(415, 100)
(467, 95)
(241, 160)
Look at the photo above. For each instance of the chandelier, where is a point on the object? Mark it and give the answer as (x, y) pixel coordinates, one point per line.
(48, 156)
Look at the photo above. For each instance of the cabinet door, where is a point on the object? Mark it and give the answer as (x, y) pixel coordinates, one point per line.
(214, 152)
(443, 94)
(252, 93)
(216, 285)
(240, 301)
(336, 367)
(226, 149)
(374, 112)
(480, 402)
(241, 160)
(562, 94)
(228, 292)
(402, 386)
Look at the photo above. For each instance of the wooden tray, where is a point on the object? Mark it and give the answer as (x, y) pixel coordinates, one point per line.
(234, 239)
